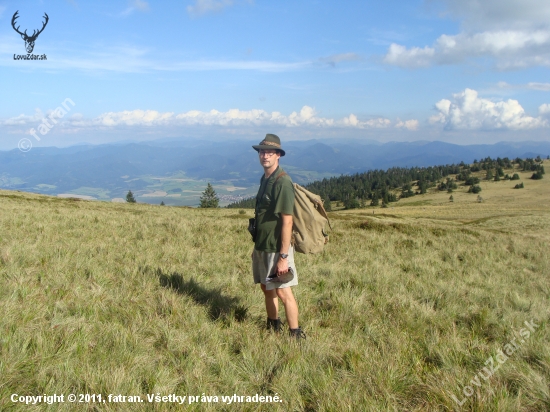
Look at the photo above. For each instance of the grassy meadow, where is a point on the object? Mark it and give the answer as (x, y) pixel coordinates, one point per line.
(402, 310)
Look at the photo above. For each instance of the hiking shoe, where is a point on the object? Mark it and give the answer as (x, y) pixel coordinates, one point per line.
(298, 334)
(274, 325)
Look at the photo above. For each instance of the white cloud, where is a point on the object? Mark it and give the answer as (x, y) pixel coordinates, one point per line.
(543, 87)
(414, 57)
(407, 124)
(23, 119)
(140, 5)
(498, 14)
(131, 118)
(544, 110)
(208, 6)
(307, 117)
(337, 58)
(511, 49)
(468, 111)
(513, 34)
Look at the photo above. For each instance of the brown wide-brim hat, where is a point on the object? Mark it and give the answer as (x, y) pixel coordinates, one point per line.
(270, 142)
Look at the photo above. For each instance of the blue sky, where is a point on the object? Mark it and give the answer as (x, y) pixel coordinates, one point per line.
(461, 71)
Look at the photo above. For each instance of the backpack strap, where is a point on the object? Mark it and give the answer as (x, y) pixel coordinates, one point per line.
(281, 175)
(275, 182)
(265, 187)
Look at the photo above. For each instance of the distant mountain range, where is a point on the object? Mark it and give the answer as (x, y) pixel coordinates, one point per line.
(117, 168)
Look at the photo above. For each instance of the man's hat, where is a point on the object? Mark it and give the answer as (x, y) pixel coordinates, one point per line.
(272, 142)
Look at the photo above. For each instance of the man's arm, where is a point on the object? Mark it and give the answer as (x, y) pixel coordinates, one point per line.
(286, 234)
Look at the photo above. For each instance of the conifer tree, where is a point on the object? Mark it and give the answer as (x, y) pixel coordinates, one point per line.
(327, 205)
(209, 197)
(375, 199)
(130, 197)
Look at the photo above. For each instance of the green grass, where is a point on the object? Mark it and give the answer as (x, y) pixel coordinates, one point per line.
(401, 311)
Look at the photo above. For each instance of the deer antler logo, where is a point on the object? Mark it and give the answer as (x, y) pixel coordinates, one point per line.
(29, 40)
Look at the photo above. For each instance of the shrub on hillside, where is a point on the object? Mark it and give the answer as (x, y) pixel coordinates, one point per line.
(474, 189)
(471, 180)
(448, 185)
(352, 204)
(406, 191)
(463, 175)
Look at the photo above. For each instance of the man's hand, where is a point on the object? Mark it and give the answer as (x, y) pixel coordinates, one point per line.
(282, 266)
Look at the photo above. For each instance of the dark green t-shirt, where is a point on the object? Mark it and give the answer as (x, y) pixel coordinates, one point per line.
(278, 197)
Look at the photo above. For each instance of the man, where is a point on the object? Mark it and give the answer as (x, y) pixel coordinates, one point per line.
(273, 253)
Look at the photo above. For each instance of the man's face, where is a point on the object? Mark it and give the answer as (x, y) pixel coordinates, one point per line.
(269, 158)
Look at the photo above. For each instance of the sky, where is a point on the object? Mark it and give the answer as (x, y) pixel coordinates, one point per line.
(459, 71)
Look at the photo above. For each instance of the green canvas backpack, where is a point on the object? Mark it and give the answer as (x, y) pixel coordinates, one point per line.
(310, 218)
(309, 221)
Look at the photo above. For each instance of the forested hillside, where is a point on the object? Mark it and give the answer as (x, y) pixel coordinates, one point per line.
(384, 186)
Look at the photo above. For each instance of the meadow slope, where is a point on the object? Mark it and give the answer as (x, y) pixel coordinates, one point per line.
(402, 310)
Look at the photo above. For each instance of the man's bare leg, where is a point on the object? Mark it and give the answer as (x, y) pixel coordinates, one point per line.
(271, 302)
(291, 308)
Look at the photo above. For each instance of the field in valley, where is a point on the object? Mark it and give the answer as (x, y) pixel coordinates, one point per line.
(420, 306)
(175, 190)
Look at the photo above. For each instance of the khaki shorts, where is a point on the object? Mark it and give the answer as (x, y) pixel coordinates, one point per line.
(264, 263)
